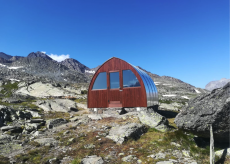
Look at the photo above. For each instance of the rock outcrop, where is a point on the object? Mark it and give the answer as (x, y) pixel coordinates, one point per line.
(59, 105)
(217, 84)
(212, 108)
(154, 120)
(122, 133)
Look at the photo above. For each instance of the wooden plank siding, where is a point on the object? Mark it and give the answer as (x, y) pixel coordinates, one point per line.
(129, 97)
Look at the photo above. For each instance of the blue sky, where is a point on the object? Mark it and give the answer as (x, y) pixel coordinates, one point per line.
(185, 39)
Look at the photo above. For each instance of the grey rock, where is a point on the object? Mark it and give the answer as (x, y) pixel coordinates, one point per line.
(212, 108)
(11, 128)
(11, 100)
(66, 132)
(5, 56)
(165, 162)
(38, 133)
(4, 139)
(23, 115)
(74, 65)
(94, 117)
(129, 158)
(217, 84)
(36, 121)
(47, 141)
(7, 114)
(32, 126)
(122, 133)
(154, 120)
(59, 105)
(225, 152)
(92, 160)
(56, 122)
(89, 146)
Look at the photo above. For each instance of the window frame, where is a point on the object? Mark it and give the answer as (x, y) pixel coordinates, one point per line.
(123, 80)
(119, 80)
(95, 81)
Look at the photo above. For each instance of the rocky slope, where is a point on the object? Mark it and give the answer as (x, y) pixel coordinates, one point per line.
(205, 110)
(43, 128)
(216, 84)
(74, 65)
(173, 93)
(5, 56)
(39, 66)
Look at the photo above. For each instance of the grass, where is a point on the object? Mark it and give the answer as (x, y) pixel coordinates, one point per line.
(53, 115)
(83, 101)
(4, 160)
(8, 88)
(35, 156)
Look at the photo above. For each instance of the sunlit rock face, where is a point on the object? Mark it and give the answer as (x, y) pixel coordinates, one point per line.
(212, 108)
(216, 84)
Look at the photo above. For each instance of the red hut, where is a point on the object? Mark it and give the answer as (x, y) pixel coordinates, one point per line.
(119, 84)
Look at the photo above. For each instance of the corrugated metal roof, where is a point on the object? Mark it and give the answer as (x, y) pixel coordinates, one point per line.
(150, 87)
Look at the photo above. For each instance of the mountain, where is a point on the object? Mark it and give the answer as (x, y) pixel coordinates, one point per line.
(3, 60)
(39, 54)
(5, 56)
(15, 58)
(74, 65)
(216, 84)
(38, 65)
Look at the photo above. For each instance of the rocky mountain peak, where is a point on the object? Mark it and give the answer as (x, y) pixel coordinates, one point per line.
(5, 56)
(39, 54)
(216, 84)
(74, 65)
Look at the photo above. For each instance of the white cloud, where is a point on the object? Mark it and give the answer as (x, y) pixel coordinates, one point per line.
(43, 52)
(59, 58)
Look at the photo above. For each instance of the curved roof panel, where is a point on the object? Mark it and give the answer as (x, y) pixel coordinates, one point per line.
(151, 90)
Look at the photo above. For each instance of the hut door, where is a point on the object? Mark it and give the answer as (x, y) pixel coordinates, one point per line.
(114, 90)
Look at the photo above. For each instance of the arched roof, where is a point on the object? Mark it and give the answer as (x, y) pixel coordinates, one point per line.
(150, 88)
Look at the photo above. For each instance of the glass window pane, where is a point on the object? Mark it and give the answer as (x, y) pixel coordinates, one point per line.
(101, 81)
(129, 79)
(114, 80)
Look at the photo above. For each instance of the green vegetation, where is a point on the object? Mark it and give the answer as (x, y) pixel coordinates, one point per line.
(83, 101)
(53, 115)
(76, 161)
(8, 88)
(165, 101)
(4, 160)
(84, 92)
(34, 156)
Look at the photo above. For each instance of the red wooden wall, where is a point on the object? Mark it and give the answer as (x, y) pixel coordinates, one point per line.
(129, 97)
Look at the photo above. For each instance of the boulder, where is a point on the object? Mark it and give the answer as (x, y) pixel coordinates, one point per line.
(129, 158)
(56, 122)
(47, 141)
(223, 153)
(58, 105)
(93, 159)
(11, 128)
(122, 133)
(154, 120)
(40, 89)
(4, 139)
(7, 114)
(11, 100)
(94, 117)
(36, 121)
(32, 126)
(212, 108)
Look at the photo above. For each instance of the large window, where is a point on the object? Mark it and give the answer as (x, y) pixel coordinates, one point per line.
(129, 79)
(114, 80)
(100, 82)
